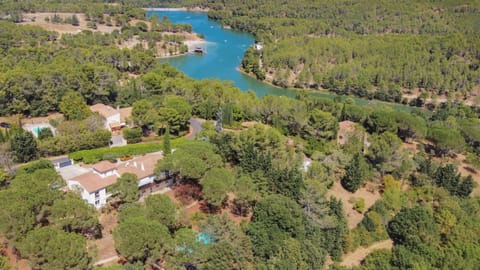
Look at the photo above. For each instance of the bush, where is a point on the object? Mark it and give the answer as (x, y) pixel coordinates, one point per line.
(359, 205)
(132, 135)
(66, 144)
(45, 133)
(95, 155)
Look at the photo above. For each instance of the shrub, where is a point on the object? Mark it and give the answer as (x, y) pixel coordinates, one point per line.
(132, 135)
(359, 205)
(95, 155)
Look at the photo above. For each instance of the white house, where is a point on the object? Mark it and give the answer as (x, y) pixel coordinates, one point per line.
(93, 184)
(92, 187)
(111, 115)
(257, 46)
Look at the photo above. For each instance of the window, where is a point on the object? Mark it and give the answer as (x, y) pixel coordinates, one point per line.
(97, 202)
(97, 194)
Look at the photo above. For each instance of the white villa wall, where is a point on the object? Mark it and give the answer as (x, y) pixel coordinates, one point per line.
(91, 198)
(146, 180)
(112, 119)
(107, 173)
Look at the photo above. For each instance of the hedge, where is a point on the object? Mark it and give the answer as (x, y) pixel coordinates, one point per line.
(107, 153)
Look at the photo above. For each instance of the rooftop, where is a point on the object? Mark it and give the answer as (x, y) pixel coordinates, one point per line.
(142, 166)
(92, 182)
(104, 166)
(104, 110)
(125, 113)
(60, 160)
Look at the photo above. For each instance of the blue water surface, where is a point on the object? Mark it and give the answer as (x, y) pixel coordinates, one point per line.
(224, 51)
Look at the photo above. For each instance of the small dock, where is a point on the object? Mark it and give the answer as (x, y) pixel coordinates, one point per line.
(199, 50)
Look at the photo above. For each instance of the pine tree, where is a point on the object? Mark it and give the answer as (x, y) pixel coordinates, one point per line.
(356, 173)
(75, 20)
(24, 146)
(166, 141)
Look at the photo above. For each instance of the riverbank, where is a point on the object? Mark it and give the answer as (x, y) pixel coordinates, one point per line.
(327, 94)
(192, 9)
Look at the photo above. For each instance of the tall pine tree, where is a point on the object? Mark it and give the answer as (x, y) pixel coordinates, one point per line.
(166, 142)
(356, 174)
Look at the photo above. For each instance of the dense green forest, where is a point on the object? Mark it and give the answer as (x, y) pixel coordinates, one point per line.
(365, 48)
(426, 204)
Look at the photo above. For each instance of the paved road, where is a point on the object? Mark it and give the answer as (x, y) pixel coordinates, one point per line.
(196, 124)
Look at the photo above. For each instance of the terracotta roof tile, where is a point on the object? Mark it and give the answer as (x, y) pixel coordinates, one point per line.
(104, 166)
(104, 110)
(142, 166)
(92, 182)
(125, 113)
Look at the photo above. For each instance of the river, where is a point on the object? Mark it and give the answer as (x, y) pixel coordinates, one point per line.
(224, 51)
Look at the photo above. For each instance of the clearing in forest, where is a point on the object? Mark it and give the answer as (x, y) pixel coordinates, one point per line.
(357, 256)
(348, 198)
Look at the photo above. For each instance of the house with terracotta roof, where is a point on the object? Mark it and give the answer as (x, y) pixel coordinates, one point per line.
(115, 119)
(93, 185)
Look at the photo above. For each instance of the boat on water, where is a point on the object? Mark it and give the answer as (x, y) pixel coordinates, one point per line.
(199, 50)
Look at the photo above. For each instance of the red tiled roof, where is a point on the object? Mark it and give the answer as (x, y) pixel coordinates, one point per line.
(92, 182)
(104, 166)
(104, 110)
(125, 113)
(142, 166)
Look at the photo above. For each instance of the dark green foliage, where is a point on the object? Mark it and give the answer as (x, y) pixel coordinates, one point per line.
(445, 139)
(161, 209)
(131, 211)
(45, 133)
(139, 239)
(70, 143)
(250, 63)
(132, 135)
(288, 182)
(449, 178)
(356, 173)
(75, 21)
(34, 166)
(50, 248)
(73, 106)
(74, 215)
(335, 237)
(190, 160)
(126, 188)
(216, 183)
(414, 226)
(380, 121)
(167, 150)
(24, 146)
(322, 125)
(365, 48)
(378, 259)
(95, 155)
(275, 219)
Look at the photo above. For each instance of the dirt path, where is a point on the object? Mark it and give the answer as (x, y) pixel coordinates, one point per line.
(353, 217)
(106, 246)
(357, 256)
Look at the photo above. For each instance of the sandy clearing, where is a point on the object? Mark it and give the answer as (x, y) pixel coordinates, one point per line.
(105, 246)
(345, 130)
(353, 217)
(357, 256)
(39, 20)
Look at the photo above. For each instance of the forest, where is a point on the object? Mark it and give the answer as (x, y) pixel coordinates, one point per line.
(262, 205)
(363, 48)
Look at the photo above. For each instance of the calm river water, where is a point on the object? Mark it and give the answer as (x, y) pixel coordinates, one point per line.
(225, 49)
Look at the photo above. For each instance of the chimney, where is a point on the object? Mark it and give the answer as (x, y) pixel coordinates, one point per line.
(118, 108)
(135, 164)
(143, 167)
